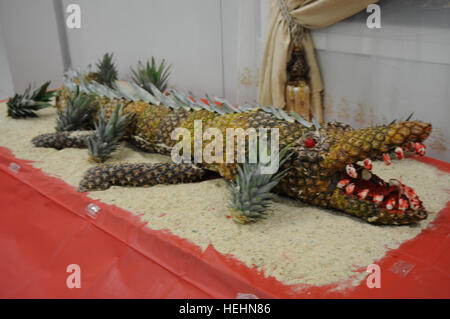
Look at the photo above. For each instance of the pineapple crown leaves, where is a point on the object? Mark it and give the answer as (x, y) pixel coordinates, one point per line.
(250, 193)
(406, 120)
(25, 105)
(78, 112)
(151, 73)
(151, 94)
(106, 71)
(107, 134)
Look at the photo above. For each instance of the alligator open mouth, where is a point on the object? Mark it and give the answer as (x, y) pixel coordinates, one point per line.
(393, 199)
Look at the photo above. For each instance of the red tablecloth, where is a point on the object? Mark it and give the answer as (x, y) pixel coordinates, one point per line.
(44, 228)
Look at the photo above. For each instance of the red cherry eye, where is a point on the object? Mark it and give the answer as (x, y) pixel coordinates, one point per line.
(310, 143)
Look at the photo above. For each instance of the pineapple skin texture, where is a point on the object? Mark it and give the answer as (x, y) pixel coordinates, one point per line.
(312, 174)
(104, 176)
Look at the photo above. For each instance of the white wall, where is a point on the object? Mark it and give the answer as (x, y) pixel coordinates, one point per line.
(31, 41)
(6, 85)
(201, 38)
(215, 46)
(185, 33)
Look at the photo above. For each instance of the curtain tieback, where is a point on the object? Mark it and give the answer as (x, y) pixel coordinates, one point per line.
(295, 29)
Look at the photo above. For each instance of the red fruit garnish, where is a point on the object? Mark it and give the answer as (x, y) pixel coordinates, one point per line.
(399, 152)
(368, 164)
(387, 159)
(310, 143)
(420, 148)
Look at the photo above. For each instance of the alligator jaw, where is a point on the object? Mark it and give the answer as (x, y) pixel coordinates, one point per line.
(367, 196)
(358, 191)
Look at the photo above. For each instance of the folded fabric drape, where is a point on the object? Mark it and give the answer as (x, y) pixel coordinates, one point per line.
(310, 14)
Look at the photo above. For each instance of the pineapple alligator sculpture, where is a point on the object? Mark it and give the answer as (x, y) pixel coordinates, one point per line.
(329, 165)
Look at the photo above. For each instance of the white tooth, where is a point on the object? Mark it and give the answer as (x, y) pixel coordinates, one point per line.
(389, 206)
(399, 152)
(378, 198)
(402, 204)
(419, 148)
(394, 182)
(415, 204)
(368, 164)
(409, 193)
(387, 159)
(363, 193)
(342, 183)
(351, 171)
(366, 175)
(350, 188)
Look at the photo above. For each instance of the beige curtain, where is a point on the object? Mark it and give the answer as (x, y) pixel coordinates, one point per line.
(311, 14)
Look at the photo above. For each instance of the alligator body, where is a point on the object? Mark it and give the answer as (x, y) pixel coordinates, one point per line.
(323, 170)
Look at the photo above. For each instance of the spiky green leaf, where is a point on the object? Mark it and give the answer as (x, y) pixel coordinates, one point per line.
(26, 104)
(250, 192)
(106, 71)
(78, 112)
(144, 74)
(108, 134)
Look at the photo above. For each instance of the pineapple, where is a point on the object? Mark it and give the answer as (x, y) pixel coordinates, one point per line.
(325, 156)
(26, 104)
(107, 135)
(77, 113)
(102, 177)
(145, 75)
(250, 193)
(63, 139)
(106, 71)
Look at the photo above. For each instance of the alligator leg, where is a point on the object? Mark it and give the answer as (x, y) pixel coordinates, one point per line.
(79, 139)
(104, 176)
(60, 140)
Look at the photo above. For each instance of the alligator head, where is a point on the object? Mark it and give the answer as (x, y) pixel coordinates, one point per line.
(326, 172)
